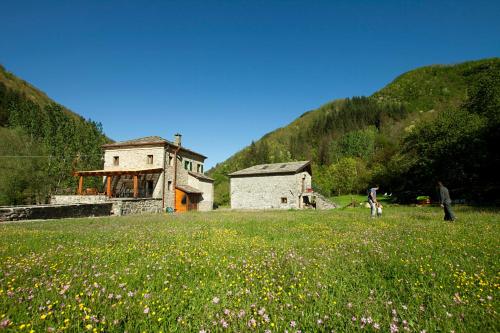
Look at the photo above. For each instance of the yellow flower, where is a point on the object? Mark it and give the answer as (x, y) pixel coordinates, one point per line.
(42, 317)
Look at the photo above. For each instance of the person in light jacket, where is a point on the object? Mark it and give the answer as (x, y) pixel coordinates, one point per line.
(445, 200)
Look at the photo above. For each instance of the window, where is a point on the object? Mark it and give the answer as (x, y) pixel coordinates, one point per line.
(150, 159)
(169, 185)
(170, 160)
(284, 200)
(116, 160)
(190, 166)
(201, 169)
(186, 165)
(198, 168)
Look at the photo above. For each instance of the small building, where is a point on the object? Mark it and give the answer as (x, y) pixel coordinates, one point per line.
(266, 186)
(154, 168)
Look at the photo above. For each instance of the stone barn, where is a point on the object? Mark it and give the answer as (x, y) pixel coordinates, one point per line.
(280, 185)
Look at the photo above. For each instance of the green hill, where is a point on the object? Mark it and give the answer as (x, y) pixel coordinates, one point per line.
(40, 142)
(361, 140)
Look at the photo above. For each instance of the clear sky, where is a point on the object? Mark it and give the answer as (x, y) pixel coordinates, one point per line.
(224, 73)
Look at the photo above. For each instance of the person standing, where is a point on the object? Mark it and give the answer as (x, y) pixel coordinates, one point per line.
(372, 200)
(445, 200)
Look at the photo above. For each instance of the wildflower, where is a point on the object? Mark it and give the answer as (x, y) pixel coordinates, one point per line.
(376, 326)
(394, 328)
(267, 331)
(349, 305)
(319, 321)
(241, 314)
(227, 312)
(146, 310)
(261, 311)
(146, 296)
(4, 323)
(88, 327)
(202, 331)
(130, 294)
(354, 318)
(216, 300)
(293, 323)
(110, 296)
(252, 323)
(224, 323)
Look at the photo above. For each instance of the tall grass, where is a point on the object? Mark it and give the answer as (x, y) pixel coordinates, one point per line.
(254, 271)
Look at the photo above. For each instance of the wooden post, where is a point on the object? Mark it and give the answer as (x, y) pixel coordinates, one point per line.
(80, 185)
(108, 186)
(136, 186)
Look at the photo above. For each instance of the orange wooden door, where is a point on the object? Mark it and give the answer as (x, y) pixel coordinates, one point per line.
(181, 201)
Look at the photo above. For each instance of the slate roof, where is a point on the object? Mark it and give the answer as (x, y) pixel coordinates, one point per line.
(188, 189)
(274, 169)
(147, 141)
(200, 176)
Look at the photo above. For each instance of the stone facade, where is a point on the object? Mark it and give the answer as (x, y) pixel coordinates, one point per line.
(155, 152)
(136, 206)
(269, 191)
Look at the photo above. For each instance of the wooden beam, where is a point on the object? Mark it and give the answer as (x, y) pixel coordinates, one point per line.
(136, 186)
(80, 185)
(108, 186)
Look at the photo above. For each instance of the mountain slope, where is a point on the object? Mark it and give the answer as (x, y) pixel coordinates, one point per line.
(350, 141)
(40, 141)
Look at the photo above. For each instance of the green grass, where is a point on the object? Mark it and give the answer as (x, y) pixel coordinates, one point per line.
(315, 270)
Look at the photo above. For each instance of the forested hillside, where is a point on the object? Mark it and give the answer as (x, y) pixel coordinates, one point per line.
(425, 125)
(40, 143)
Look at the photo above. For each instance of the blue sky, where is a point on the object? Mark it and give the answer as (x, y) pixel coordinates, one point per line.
(224, 73)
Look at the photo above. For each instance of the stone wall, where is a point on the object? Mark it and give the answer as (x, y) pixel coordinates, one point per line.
(207, 187)
(77, 199)
(15, 213)
(136, 158)
(130, 206)
(265, 192)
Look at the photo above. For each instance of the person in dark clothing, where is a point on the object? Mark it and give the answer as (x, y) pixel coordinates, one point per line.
(445, 200)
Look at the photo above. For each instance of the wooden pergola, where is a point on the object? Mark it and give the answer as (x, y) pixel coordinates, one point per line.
(109, 174)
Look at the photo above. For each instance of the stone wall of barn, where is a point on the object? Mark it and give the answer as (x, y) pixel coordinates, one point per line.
(266, 192)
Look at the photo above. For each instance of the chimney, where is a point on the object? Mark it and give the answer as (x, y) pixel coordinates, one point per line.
(177, 139)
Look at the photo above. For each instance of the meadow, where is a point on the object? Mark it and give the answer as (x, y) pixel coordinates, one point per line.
(268, 271)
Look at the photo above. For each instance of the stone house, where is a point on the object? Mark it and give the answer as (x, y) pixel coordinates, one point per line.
(152, 167)
(266, 186)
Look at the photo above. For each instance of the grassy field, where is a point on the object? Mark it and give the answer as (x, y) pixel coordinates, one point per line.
(254, 271)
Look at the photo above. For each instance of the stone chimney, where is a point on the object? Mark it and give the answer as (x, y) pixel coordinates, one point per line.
(177, 139)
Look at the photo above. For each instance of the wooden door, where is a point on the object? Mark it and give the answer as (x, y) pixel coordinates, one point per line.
(181, 201)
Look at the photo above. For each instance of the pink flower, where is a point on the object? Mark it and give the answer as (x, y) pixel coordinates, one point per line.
(146, 310)
(4, 323)
(216, 300)
(376, 326)
(293, 323)
(394, 328)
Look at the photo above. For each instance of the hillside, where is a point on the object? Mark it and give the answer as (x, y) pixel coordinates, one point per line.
(40, 141)
(352, 141)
